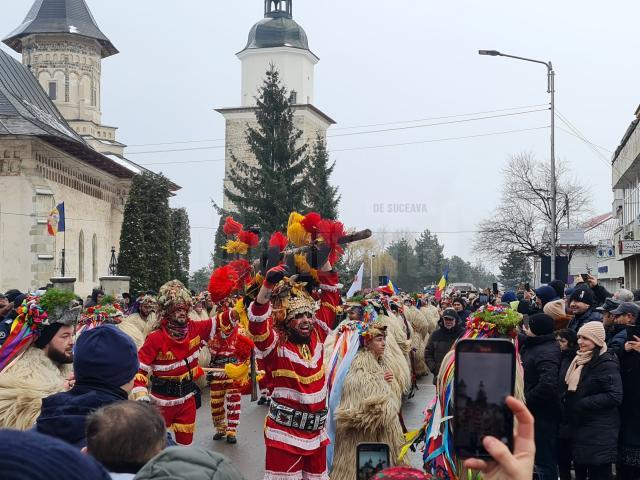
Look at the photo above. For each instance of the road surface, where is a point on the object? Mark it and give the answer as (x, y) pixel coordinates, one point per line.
(248, 454)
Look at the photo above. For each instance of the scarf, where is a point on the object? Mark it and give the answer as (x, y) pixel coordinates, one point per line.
(572, 378)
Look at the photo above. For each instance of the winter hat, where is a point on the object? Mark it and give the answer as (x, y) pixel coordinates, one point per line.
(584, 295)
(13, 294)
(625, 308)
(451, 313)
(34, 456)
(509, 297)
(624, 295)
(555, 309)
(541, 324)
(558, 286)
(188, 463)
(105, 355)
(608, 305)
(594, 331)
(546, 294)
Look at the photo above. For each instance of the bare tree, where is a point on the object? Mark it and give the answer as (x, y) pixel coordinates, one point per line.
(522, 220)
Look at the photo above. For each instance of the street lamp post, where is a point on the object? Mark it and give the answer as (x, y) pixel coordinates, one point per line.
(371, 270)
(551, 90)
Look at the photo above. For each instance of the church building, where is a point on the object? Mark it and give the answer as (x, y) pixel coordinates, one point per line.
(54, 148)
(279, 40)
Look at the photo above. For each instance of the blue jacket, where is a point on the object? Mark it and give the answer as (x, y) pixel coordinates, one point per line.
(64, 415)
(589, 316)
(616, 342)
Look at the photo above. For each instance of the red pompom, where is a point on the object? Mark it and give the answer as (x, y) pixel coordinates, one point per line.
(243, 269)
(310, 221)
(231, 227)
(249, 238)
(331, 231)
(279, 240)
(244, 346)
(222, 282)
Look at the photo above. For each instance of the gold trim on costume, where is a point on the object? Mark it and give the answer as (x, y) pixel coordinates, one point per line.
(183, 427)
(304, 380)
(165, 356)
(194, 342)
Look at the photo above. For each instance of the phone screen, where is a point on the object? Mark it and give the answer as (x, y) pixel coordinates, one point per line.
(484, 377)
(633, 330)
(371, 459)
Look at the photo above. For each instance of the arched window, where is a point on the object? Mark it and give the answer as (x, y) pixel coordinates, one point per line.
(81, 257)
(94, 257)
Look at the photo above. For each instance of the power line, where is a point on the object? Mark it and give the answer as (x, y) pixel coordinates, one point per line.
(504, 132)
(347, 134)
(357, 126)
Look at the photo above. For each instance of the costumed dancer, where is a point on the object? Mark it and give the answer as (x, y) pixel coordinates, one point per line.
(141, 321)
(199, 311)
(170, 356)
(36, 359)
(292, 346)
(440, 458)
(364, 397)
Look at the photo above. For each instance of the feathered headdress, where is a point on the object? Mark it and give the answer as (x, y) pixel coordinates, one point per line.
(240, 240)
(290, 298)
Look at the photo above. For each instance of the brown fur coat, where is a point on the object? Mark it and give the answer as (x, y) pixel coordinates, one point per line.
(137, 328)
(368, 412)
(25, 383)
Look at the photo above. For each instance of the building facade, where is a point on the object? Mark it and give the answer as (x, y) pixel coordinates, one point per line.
(626, 188)
(276, 40)
(54, 148)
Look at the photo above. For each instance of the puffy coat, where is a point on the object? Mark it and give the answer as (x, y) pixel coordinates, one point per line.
(541, 362)
(439, 344)
(566, 357)
(630, 373)
(64, 415)
(593, 411)
(615, 344)
(589, 316)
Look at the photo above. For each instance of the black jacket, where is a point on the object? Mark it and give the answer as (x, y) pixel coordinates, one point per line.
(615, 344)
(630, 373)
(593, 411)
(64, 415)
(566, 357)
(541, 362)
(589, 316)
(439, 344)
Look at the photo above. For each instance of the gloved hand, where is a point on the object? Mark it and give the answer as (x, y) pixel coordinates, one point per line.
(275, 274)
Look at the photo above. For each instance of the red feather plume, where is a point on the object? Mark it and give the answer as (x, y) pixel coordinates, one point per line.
(249, 238)
(244, 346)
(310, 221)
(331, 231)
(243, 269)
(231, 227)
(279, 240)
(222, 282)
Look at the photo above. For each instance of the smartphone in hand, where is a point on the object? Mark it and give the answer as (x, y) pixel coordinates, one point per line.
(371, 458)
(484, 376)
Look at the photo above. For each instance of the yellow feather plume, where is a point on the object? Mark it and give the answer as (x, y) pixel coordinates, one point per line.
(298, 235)
(301, 263)
(242, 313)
(295, 217)
(236, 246)
(237, 372)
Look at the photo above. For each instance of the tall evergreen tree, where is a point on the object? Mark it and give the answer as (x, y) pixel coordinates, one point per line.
(145, 238)
(402, 252)
(267, 191)
(321, 196)
(515, 268)
(430, 258)
(199, 280)
(180, 244)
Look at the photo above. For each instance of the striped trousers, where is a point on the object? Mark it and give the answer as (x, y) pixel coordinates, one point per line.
(225, 406)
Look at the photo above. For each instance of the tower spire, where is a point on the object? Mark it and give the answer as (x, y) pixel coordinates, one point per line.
(278, 8)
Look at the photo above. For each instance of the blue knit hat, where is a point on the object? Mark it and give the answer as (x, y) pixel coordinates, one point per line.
(34, 456)
(105, 355)
(546, 294)
(509, 297)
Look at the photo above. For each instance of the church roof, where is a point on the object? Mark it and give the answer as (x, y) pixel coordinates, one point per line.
(277, 29)
(60, 16)
(25, 109)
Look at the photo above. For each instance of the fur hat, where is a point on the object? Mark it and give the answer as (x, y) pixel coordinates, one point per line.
(172, 294)
(594, 331)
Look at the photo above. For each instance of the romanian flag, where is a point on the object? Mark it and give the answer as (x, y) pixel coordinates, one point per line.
(55, 220)
(393, 287)
(442, 283)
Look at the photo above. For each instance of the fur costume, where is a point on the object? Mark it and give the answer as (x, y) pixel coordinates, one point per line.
(432, 315)
(396, 352)
(138, 328)
(419, 338)
(368, 412)
(24, 384)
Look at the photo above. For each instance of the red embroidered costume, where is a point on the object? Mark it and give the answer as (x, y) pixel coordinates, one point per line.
(294, 432)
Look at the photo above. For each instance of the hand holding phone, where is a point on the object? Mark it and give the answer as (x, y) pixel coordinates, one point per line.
(371, 458)
(517, 465)
(484, 377)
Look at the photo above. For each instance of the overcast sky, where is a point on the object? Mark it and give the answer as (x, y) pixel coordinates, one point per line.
(380, 62)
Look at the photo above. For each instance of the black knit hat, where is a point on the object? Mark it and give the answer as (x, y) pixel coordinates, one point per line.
(584, 295)
(541, 324)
